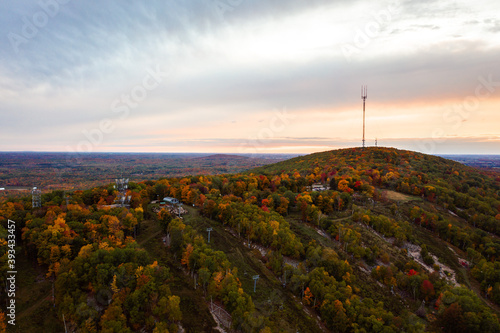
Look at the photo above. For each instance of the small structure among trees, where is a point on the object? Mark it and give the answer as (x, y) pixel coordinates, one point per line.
(318, 187)
(170, 201)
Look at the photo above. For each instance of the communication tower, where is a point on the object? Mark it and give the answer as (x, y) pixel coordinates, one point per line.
(122, 187)
(121, 184)
(364, 90)
(36, 197)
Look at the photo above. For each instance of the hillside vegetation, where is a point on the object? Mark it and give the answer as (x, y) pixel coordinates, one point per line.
(353, 240)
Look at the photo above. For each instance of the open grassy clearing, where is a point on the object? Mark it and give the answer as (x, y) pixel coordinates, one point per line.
(400, 197)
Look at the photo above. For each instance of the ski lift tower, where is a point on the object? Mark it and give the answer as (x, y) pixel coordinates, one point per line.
(255, 278)
(209, 229)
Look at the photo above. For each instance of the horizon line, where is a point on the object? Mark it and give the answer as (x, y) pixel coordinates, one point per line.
(235, 153)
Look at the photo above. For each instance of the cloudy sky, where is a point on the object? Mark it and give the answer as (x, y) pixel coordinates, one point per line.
(249, 76)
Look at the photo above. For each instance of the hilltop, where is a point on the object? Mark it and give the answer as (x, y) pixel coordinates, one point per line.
(373, 240)
(447, 183)
(370, 157)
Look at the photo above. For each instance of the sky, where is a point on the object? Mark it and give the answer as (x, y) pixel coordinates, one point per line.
(249, 76)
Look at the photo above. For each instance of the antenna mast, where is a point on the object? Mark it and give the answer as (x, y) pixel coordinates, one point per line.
(363, 97)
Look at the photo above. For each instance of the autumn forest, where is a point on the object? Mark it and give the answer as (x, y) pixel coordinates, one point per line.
(350, 240)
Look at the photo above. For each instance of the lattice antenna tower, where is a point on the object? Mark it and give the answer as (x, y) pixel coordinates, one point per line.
(36, 197)
(364, 91)
(122, 184)
(122, 187)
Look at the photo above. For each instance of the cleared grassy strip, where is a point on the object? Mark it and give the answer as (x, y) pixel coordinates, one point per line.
(271, 299)
(196, 316)
(34, 307)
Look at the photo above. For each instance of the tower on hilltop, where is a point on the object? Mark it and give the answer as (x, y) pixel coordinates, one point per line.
(364, 90)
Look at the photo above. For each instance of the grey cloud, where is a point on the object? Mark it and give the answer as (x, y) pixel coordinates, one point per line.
(81, 35)
(239, 10)
(494, 26)
(426, 26)
(330, 83)
(87, 36)
(427, 9)
(323, 84)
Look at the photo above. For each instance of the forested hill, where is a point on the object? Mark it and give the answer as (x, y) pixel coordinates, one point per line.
(446, 182)
(402, 161)
(353, 240)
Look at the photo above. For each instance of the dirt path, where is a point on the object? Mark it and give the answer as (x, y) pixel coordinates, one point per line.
(474, 285)
(152, 225)
(343, 218)
(143, 241)
(28, 311)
